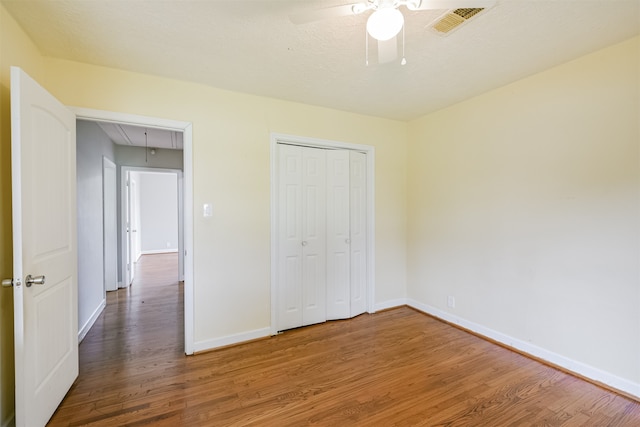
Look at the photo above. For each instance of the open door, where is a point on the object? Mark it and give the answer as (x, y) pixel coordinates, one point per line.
(131, 238)
(110, 224)
(45, 289)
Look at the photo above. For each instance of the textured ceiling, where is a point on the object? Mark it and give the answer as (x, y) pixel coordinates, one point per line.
(138, 136)
(253, 47)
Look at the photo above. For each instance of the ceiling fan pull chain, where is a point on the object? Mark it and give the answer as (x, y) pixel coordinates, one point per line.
(404, 60)
(366, 47)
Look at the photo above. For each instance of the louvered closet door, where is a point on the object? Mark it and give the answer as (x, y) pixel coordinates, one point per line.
(302, 242)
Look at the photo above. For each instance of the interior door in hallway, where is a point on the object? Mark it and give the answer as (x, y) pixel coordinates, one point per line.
(110, 224)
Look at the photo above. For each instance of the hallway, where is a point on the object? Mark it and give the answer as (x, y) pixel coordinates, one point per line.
(141, 329)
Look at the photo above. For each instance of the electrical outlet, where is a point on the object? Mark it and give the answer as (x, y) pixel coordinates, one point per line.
(451, 302)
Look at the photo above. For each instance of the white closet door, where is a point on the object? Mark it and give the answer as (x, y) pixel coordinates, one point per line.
(290, 238)
(314, 244)
(358, 228)
(302, 243)
(338, 235)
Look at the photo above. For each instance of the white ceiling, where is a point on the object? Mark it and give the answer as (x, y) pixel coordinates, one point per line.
(123, 134)
(253, 47)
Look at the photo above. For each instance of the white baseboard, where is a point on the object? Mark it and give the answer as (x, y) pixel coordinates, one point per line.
(571, 365)
(10, 421)
(391, 304)
(94, 316)
(159, 251)
(231, 339)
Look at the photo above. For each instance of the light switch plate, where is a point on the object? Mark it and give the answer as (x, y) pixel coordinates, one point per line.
(207, 210)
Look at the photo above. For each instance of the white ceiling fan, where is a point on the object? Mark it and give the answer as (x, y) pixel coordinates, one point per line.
(386, 21)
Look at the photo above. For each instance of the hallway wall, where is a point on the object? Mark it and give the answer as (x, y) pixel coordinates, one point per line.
(92, 144)
(158, 212)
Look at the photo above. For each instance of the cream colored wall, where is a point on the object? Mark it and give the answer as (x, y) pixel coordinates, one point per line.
(15, 49)
(231, 149)
(524, 204)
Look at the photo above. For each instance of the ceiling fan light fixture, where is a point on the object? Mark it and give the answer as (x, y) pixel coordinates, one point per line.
(385, 23)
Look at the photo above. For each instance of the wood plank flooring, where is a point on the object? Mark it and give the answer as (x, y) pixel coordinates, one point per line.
(394, 368)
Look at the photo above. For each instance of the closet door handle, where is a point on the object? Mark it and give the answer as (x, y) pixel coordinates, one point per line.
(304, 243)
(347, 241)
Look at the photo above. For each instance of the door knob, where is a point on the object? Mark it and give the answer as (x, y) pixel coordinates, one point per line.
(304, 243)
(31, 280)
(347, 241)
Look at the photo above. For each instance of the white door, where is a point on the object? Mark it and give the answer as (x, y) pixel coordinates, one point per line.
(338, 243)
(128, 270)
(314, 248)
(301, 244)
(358, 231)
(131, 228)
(110, 225)
(134, 205)
(43, 141)
(180, 227)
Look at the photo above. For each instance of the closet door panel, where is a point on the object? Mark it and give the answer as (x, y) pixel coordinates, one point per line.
(338, 235)
(314, 247)
(358, 229)
(290, 237)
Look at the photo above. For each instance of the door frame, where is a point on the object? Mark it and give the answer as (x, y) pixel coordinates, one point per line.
(125, 172)
(187, 179)
(369, 151)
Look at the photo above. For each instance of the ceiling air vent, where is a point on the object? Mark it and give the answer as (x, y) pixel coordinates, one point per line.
(453, 19)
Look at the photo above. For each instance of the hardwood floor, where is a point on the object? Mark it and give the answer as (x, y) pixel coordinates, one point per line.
(394, 368)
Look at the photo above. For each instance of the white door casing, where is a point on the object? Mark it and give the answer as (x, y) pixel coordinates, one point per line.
(110, 224)
(44, 243)
(187, 229)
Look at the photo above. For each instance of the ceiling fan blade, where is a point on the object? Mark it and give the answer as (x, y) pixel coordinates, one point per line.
(321, 14)
(387, 50)
(451, 4)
